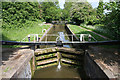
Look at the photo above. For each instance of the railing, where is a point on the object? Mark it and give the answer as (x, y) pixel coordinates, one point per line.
(84, 39)
(36, 37)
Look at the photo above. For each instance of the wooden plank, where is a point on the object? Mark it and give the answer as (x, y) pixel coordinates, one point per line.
(46, 61)
(45, 50)
(75, 57)
(44, 57)
(68, 61)
(71, 50)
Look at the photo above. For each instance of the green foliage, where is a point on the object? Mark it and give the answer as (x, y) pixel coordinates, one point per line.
(100, 9)
(50, 11)
(66, 11)
(17, 13)
(112, 19)
(81, 12)
(17, 34)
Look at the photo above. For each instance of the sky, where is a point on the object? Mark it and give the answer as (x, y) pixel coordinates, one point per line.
(94, 3)
(61, 3)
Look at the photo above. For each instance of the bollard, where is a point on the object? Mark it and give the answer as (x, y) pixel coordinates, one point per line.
(38, 41)
(81, 37)
(89, 38)
(29, 38)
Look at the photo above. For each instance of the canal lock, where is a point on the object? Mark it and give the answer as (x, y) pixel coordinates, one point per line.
(66, 55)
(48, 58)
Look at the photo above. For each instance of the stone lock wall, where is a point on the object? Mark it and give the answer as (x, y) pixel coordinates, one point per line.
(18, 67)
(25, 72)
(92, 69)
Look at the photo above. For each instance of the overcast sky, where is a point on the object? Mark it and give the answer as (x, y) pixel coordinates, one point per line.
(94, 3)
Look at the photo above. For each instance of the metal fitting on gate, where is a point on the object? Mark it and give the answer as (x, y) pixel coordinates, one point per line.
(59, 44)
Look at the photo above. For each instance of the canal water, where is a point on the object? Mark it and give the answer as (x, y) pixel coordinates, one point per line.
(57, 31)
(65, 71)
(53, 72)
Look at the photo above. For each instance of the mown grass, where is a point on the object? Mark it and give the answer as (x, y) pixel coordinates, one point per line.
(77, 30)
(105, 33)
(17, 34)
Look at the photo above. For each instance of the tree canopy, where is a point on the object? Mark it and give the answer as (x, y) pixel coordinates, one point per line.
(78, 12)
(50, 11)
(16, 14)
(19, 12)
(112, 18)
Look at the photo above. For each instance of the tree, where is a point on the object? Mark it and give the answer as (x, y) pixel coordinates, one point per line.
(100, 11)
(66, 11)
(80, 12)
(50, 11)
(17, 13)
(112, 19)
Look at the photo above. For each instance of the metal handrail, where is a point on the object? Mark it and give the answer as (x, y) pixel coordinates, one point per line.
(47, 35)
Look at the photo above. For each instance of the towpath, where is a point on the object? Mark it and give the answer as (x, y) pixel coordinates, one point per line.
(96, 33)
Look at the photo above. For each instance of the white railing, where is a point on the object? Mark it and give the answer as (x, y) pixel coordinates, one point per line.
(36, 37)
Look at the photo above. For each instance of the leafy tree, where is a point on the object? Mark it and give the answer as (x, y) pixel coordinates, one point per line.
(14, 13)
(92, 19)
(66, 11)
(50, 11)
(100, 9)
(112, 19)
(80, 12)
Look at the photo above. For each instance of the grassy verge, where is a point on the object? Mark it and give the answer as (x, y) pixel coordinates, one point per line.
(77, 30)
(105, 33)
(17, 34)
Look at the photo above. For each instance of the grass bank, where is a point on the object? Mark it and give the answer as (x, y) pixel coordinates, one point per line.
(77, 30)
(98, 29)
(17, 34)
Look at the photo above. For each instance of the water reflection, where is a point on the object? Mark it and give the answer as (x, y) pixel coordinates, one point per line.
(57, 31)
(64, 38)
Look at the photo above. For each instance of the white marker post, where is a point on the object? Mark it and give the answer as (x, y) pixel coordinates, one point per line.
(29, 37)
(81, 36)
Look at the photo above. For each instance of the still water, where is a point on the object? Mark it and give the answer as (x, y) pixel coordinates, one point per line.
(53, 72)
(57, 31)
